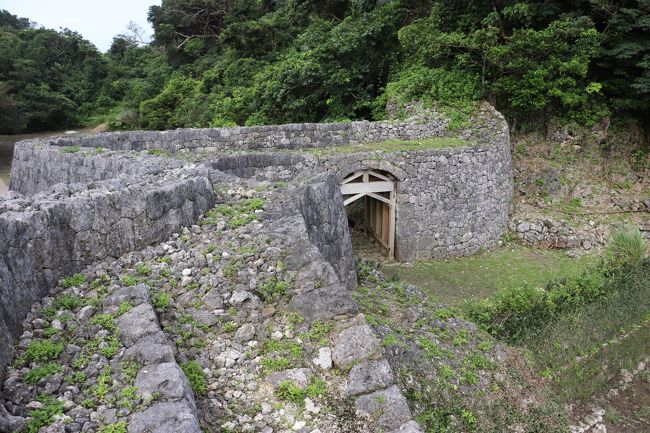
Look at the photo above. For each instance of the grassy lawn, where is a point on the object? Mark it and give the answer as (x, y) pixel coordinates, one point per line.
(454, 281)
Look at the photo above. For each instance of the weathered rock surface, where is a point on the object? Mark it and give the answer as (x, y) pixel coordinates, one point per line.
(387, 408)
(369, 376)
(166, 417)
(354, 344)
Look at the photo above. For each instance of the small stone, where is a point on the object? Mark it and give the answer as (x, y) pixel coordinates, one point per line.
(186, 272)
(277, 335)
(298, 425)
(310, 406)
(413, 427)
(369, 376)
(86, 313)
(268, 311)
(324, 359)
(600, 428)
(245, 333)
(300, 376)
(387, 408)
(34, 405)
(354, 344)
(213, 300)
(267, 408)
(56, 324)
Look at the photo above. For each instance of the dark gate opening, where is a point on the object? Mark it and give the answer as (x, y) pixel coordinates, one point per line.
(369, 197)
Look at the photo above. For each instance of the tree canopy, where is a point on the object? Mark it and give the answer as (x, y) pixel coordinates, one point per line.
(246, 62)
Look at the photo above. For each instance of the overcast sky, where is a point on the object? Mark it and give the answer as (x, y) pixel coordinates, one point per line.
(97, 20)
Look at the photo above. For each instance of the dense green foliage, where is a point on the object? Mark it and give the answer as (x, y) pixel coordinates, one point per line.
(517, 313)
(227, 62)
(48, 79)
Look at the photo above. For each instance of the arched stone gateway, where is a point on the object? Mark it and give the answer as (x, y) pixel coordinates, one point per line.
(378, 190)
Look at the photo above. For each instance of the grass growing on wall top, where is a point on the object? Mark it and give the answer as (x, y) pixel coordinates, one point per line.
(393, 146)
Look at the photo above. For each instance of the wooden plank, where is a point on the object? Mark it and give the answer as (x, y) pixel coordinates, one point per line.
(352, 177)
(366, 219)
(356, 188)
(352, 199)
(378, 197)
(380, 176)
(378, 219)
(385, 222)
(391, 229)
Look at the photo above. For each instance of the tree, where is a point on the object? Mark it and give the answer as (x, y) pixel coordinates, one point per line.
(624, 63)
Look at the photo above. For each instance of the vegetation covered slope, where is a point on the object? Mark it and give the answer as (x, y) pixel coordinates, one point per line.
(214, 63)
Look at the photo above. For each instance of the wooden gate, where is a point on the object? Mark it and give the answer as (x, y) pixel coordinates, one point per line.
(378, 191)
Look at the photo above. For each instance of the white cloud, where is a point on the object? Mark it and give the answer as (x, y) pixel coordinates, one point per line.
(97, 20)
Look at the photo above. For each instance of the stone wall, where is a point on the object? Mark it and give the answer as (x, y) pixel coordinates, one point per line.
(289, 136)
(37, 166)
(46, 237)
(321, 206)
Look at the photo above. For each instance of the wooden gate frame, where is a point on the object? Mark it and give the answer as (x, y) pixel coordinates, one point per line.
(370, 188)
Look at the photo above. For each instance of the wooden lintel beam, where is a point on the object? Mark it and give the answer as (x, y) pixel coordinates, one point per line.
(364, 188)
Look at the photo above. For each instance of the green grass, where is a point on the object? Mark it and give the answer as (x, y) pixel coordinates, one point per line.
(72, 281)
(473, 278)
(70, 149)
(195, 376)
(393, 146)
(43, 350)
(38, 373)
(622, 320)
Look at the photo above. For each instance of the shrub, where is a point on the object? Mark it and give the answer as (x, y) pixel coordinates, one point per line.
(72, 281)
(512, 312)
(273, 288)
(70, 149)
(39, 373)
(106, 321)
(43, 350)
(627, 247)
(124, 307)
(44, 415)
(119, 427)
(161, 300)
(289, 391)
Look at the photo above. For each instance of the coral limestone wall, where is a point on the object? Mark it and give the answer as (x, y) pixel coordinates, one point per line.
(44, 238)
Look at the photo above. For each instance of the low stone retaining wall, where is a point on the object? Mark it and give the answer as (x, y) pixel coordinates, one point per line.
(289, 136)
(47, 237)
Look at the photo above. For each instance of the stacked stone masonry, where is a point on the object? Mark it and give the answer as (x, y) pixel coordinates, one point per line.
(77, 200)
